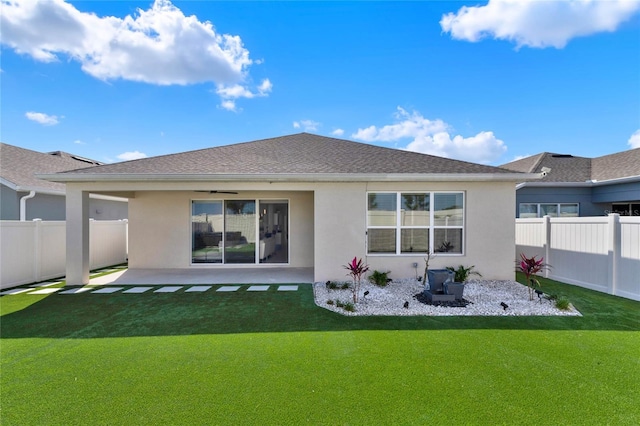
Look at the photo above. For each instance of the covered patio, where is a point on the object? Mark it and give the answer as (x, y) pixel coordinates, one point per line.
(207, 276)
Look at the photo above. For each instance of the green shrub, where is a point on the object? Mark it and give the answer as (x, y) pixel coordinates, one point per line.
(330, 302)
(349, 307)
(339, 304)
(345, 286)
(562, 303)
(380, 279)
(332, 285)
(462, 274)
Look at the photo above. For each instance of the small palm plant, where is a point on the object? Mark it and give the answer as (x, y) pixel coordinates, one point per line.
(356, 269)
(462, 274)
(530, 267)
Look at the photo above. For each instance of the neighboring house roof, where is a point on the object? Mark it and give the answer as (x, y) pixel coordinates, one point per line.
(572, 169)
(19, 166)
(288, 158)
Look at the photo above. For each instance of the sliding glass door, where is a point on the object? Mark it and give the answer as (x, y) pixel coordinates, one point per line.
(239, 231)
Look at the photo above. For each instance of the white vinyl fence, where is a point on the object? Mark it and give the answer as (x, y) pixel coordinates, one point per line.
(600, 253)
(36, 251)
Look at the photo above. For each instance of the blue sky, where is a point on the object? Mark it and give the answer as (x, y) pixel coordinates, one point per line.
(487, 82)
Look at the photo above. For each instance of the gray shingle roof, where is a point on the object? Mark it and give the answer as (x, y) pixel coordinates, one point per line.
(301, 153)
(614, 166)
(19, 167)
(568, 168)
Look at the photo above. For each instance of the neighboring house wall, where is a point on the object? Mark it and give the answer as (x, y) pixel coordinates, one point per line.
(45, 206)
(615, 193)
(543, 195)
(9, 204)
(53, 207)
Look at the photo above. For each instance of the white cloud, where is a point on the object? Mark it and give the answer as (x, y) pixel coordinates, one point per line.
(433, 137)
(634, 140)
(232, 92)
(159, 45)
(42, 118)
(338, 132)
(229, 105)
(131, 155)
(79, 142)
(306, 125)
(536, 23)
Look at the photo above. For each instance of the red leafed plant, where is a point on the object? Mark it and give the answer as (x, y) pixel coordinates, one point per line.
(529, 267)
(356, 269)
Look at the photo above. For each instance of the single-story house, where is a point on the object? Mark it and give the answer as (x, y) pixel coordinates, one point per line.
(301, 201)
(579, 186)
(26, 197)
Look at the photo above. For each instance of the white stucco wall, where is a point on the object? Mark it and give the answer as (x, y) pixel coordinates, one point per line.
(489, 230)
(327, 224)
(160, 227)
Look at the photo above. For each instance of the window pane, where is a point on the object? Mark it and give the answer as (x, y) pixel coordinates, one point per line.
(414, 240)
(448, 209)
(568, 210)
(415, 210)
(447, 240)
(549, 210)
(206, 232)
(381, 210)
(381, 240)
(528, 210)
(240, 231)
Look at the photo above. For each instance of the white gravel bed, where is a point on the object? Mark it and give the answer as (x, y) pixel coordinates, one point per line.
(485, 297)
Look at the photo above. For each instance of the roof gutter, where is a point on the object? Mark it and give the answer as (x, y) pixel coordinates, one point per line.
(586, 184)
(295, 177)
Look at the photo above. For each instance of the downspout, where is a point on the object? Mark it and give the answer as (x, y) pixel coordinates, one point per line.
(23, 205)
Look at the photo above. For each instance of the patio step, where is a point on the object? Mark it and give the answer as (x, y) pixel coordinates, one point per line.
(45, 289)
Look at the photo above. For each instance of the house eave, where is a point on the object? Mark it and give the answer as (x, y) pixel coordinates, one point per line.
(294, 177)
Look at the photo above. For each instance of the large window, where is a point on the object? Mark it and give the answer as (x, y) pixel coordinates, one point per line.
(415, 222)
(533, 210)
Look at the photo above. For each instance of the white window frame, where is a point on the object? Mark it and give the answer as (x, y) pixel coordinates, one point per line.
(432, 227)
(557, 205)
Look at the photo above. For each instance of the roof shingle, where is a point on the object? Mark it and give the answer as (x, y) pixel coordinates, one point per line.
(19, 166)
(301, 153)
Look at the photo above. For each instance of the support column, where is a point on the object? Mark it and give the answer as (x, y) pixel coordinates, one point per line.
(77, 203)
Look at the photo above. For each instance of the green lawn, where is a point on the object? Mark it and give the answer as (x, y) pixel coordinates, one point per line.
(275, 358)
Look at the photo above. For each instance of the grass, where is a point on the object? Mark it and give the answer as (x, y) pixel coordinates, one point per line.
(275, 358)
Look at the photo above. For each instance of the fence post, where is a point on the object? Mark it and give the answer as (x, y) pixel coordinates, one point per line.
(37, 248)
(614, 251)
(546, 228)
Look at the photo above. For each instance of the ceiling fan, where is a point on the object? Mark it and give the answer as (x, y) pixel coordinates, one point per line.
(219, 192)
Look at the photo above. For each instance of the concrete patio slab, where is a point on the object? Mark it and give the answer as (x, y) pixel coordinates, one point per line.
(229, 288)
(46, 291)
(247, 275)
(15, 291)
(168, 289)
(107, 290)
(288, 288)
(137, 290)
(198, 288)
(77, 290)
(258, 288)
(46, 284)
